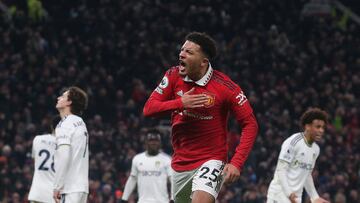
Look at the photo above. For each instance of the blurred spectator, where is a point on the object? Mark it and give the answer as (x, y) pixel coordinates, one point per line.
(340, 198)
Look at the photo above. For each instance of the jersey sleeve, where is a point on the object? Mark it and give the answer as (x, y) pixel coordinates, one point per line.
(240, 107)
(64, 134)
(162, 100)
(287, 152)
(239, 103)
(317, 151)
(168, 168)
(134, 171)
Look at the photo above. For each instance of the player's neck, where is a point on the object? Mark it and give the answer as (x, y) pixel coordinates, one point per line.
(64, 113)
(308, 139)
(200, 74)
(151, 153)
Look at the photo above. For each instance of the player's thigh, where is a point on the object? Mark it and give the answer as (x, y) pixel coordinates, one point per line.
(75, 197)
(200, 196)
(208, 179)
(182, 182)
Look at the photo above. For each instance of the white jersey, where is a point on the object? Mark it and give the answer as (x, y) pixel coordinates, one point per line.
(152, 173)
(301, 158)
(43, 150)
(72, 131)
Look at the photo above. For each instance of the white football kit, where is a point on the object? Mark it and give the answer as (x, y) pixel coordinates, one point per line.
(43, 150)
(301, 158)
(151, 174)
(72, 131)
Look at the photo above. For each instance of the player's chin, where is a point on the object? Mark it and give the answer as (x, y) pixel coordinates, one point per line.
(318, 138)
(182, 69)
(183, 72)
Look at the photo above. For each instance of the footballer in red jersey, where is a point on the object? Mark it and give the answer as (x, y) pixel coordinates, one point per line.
(200, 100)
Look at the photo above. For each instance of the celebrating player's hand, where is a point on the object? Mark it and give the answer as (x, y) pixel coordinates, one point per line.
(321, 200)
(231, 174)
(293, 197)
(56, 196)
(190, 100)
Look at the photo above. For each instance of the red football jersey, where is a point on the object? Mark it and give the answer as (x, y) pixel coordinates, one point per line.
(199, 134)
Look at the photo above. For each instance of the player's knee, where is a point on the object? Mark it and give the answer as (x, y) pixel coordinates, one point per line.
(202, 197)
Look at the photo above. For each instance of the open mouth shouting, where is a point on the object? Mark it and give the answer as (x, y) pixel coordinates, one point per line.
(182, 68)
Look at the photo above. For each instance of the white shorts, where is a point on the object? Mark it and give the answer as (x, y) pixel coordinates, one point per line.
(206, 178)
(75, 197)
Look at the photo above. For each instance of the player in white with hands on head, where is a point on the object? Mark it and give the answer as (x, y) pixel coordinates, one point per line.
(72, 154)
(43, 150)
(151, 172)
(297, 160)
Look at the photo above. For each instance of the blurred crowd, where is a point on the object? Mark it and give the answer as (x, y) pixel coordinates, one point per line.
(118, 50)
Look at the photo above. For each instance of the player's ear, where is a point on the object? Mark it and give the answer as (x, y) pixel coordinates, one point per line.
(205, 61)
(69, 102)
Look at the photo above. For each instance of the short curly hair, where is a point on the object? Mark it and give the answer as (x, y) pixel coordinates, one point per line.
(313, 114)
(153, 134)
(207, 44)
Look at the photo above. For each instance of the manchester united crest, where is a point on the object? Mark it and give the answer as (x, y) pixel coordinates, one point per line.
(211, 100)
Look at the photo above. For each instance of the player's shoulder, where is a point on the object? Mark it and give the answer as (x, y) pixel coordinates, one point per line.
(224, 80)
(139, 158)
(47, 137)
(294, 139)
(44, 140)
(171, 75)
(164, 155)
(316, 147)
(71, 121)
(173, 71)
(141, 155)
(73, 118)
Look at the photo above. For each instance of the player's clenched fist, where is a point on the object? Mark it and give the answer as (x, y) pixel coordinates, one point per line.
(231, 174)
(56, 196)
(293, 197)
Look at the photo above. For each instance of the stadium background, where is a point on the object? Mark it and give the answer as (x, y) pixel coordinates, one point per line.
(286, 55)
